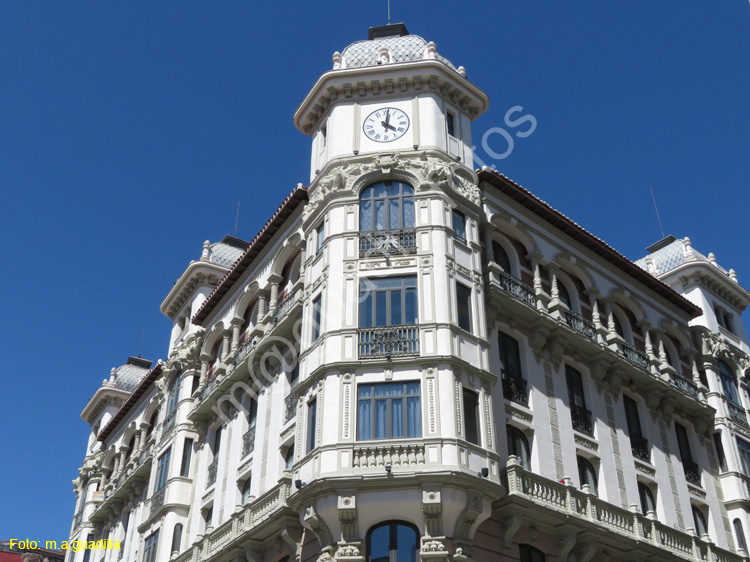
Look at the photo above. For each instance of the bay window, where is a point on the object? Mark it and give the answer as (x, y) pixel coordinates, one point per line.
(388, 411)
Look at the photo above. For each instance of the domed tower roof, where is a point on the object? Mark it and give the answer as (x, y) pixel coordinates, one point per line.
(393, 41)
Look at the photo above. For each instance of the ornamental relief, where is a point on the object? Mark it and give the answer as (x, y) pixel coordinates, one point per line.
(423, 171)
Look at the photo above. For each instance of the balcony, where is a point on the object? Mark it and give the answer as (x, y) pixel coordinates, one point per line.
(639, 446)
(290, 408)
(212, 469)
(517, 288)
(737, 413)
(399, 454)
(579, 323)
(626, 530)
(157, 500)
(582, 420)
(169, 421)
(634, 355)
(388, 341)
(283, 308)
(248, 442)
(685, 385)
(244, 350)
(375, 243)
(692, 472)
(514, 389)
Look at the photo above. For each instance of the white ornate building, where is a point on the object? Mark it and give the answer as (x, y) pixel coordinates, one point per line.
(413, 360)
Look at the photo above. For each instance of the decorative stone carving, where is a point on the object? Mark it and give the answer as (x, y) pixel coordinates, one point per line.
(319, 528)
(509, 526)
(347, 507)
(432, 509)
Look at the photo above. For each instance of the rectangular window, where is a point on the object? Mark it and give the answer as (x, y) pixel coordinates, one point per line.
(450, 121)
(316, 319)
(720, 451)
(320, 236)
(388, 301)
(631, 414)
(579, 415)
(149, 552)
(388, 411)
(87, 552)
(683, 442)
(471, 416)
(187, 453)
(162, 469)
(174, 395)
(312, 412)
(744, 449)
(459, 226)
(510, 356)
(463, 306)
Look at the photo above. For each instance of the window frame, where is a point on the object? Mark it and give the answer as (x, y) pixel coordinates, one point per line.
(450, 123)
(162, 469)
(645, 492)
(528, 553)
(472, 425)
(370, 295)
(464, 310)
(187, 454)
(699, 520)
(312, 422)
(516, 437)
(585, 466)
(320, 236)
(458, 224)
(151, 544)
(408, 432)
(368, 203)
(317, 312)
(393, 536)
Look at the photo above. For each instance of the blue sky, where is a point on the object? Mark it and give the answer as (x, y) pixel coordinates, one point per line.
(129, 131)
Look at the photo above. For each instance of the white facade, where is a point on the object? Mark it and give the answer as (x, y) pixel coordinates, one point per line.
(414, 360)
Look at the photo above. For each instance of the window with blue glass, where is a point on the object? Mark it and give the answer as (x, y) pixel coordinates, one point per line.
(728, 383)
(388, 411)
(387, 205)
(388, 301)
(149, 552)
(744, 449)
(317, 313)
(459, 226)
(312, 413)
(174, 395)
(162, 469)
(394, 541)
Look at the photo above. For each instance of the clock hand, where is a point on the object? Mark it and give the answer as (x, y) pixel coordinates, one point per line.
(387, 117)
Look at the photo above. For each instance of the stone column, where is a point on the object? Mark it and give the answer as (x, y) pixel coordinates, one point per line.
(302, 258)
(261, 306)
(601, 331)
(205, 358)
(556, 306)
(226, 338)
(236, 326)
(273, 300)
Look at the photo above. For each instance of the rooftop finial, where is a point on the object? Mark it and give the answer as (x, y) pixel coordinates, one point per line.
(733, 275)
(206, 255)
(712, 258)
(337, 60)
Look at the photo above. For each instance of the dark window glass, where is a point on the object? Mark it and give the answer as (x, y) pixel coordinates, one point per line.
(174, 395)
(389, 410)
(518, 445)
(510, 356)
(683, 443)
(530, 554)
(701, 527)
(208, 517)
(320, 235)
(289, 457)
(744, 450)
(720, 451)
(450, 122)
(587, 474)
(740, 534)
(187, 453)
(316, 319)
(392, 541)
(87, 552)
(647, 498)
(217, 440)
(388, 301)
(575, 387)
(177, 537)
(386, 205)
(728, 383)
(246, 491)
(471, 416)
(459, 226)
(631, 413)
(162, 469)
(149, 552)
(463, 299)
(312, 411)
(563, 295)
(501, 257)
(618, 327)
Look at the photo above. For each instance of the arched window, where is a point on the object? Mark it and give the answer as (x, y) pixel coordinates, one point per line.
(701, 527)
(394, 541)
(131, 446)
(246, 490)
(152, 424)
(530, 554)
(647, 498)
(248, 319)
(728, 383)
(217, 440)
(176, 538)
(618, 327)
(740, 534)
(518, 445)
(387, 205)
(587, 474)
(501, 257)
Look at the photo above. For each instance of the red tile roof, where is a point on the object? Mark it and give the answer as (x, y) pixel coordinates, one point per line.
(256, 246)
(526, 199)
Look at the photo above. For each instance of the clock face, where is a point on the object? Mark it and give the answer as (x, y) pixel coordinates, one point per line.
(386, 124)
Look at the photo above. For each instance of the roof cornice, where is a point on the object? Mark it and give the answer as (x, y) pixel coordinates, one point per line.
(95, 406)
(196, 273)
(373, 81)
(554, 217)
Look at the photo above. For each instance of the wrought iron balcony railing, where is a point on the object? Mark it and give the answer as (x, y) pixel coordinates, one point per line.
(639, 446)
(248, 442)
(401, 241)
(157, 500)
(582, 420)
(514, 389)
(169, 421)
(244, 350)
(634, 355)
(290, 408)
(517, 288)
(283, 308)
(737, 413)
(692, 472)
(685, 385)
(212, 469)
(388, 341)
(580, 324)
